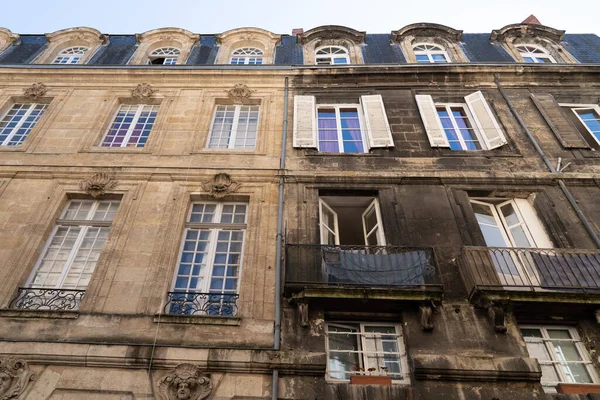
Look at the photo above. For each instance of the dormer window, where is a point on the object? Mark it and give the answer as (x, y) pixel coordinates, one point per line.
(72, 55)
(332, 55)
(164, 56)
(428, 53)
(247, 56)
(535, 54)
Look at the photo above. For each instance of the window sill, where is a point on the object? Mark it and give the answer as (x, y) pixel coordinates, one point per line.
(325, 154)
(197, 320)
(14, 313)
(578, 388)
(116, 150)
(228, 151)
(478, 153)
(19, 148)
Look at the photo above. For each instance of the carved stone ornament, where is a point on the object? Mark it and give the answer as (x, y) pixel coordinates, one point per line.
(15, 376)
(97, 185)
(426, 318)
(221, 186)
(498, 316)
(240, 92)
(35, 91)
(303, 314)
(143, 91)
(185, 382)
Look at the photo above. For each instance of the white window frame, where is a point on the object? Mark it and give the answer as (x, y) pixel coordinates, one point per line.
(555, 360)
(527, 53)
(14, 130)
(429, 52)
(136, 117)
(362, 359)
(338, 123)
(474, 127)
(327, 59)
(579, 107)
(170, 57)
(74, 58)
(244, 54)
(234, 127)
(377, 230)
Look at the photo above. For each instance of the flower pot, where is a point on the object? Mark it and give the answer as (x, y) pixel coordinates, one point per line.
(370, 380)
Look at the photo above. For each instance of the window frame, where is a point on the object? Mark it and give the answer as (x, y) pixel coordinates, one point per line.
(331, 56)
(70, 57)
(471, 120)
(402, 355)
(575, 107)
(234, 127)
(153, 56)
(533, 55)
(340, 141)
(439, 50)
(247, 57)
(556, 364)
(22, 120)
(129, 133)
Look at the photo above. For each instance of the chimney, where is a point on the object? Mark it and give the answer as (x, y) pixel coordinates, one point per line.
(532, 19)
(297, 31)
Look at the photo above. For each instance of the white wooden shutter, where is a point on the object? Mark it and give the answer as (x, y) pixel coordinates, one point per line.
(538, 233)
(305, 121)
(431, 121)
(486, 122)
(378, 128)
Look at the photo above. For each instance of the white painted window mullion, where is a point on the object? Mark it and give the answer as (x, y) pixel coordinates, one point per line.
(14, 131)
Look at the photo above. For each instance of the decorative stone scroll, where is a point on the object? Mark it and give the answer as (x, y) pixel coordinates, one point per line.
(426, 318)
(240, 92)
(221, 186)
(185, 382)
(143, 91)
(35, 91)
(98, 184)
(15, 377)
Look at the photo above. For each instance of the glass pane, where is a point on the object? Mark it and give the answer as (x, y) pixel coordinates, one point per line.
(343, 345)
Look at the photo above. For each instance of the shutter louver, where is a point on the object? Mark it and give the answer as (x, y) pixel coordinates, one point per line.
(431, 121)
(379, 133)
(485, 120)
(305, 125)
(565, 132)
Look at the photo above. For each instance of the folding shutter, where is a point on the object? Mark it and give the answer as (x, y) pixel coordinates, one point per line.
(485, 121)
(555, 117)
(378, 128)
(534, 224)
(431, 121)
(305, 124)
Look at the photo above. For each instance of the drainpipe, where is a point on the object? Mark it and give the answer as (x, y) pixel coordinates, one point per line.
(561, 183)
(278, 266)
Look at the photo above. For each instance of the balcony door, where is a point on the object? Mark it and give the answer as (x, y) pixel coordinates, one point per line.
(351, 221)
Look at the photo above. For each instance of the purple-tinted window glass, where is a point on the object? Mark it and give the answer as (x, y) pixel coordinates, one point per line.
(131, 126)
(339, 130)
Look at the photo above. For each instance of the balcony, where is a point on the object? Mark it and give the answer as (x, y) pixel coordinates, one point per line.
(531, 275)
(47, 299)
(196, 303)
(373, 272)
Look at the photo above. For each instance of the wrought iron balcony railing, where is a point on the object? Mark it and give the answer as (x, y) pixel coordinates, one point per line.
(495, 268)
(371, 266)
(47, 299)
(196, 303)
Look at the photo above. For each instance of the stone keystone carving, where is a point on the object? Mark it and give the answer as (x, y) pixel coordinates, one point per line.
(240, 92)
(35, 91)
(221, 186)
(185, 382)
(97, 184)
(15, 376)
(143, 91)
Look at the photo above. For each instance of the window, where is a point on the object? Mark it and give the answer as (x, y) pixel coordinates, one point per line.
(164, 56)
(365, 348)
(350, 220)
(468, 126)
(210, 259)
(72, 55)
(234, 127)
(131, 126)
(341, 128)
(332, 55)
(428, 53)
(247, 56)
(71, 253)
(18, 122)
(561, 355)
(534, 54)
(590, 118)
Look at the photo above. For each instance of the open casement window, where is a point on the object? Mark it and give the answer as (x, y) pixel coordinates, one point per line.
(72, 55)
(561, 354)
(469, 126)
(365, 348)
(341, 128)
(234, 127)
(590, 118)
(426, 53)
(164, 56)
(534, 54)
(350, 220)
(73, 249)
(18, 122)
(332, 55)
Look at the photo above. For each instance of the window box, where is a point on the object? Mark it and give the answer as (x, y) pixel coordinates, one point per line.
(370, 380)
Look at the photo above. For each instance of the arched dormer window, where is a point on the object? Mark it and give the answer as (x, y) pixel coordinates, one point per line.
(72, 55)
(534, 54)
(247, 56)
(426, 53)
(332, 55)
(164, 56)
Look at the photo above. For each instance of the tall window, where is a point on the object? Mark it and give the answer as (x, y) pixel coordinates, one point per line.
(459, 130)
(18, 122)
(332, 55)
(428, 53)
(365, 348)
(247, 56)
(534, 54)
(590, 118)
(74, 247)
(339, 129)
(561, 355)
(131, 126)
(234, 127)
(350, 220)
(72, 55)
(164, 56)
(210, 259)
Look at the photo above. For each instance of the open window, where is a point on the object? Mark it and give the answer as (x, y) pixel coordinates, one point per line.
(350, 220)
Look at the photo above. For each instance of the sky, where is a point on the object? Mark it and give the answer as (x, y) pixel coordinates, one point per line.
(372, 16)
